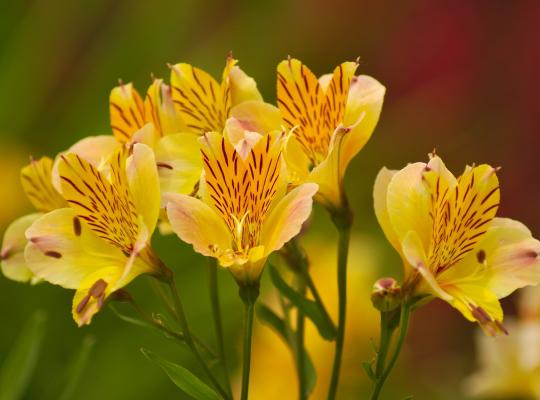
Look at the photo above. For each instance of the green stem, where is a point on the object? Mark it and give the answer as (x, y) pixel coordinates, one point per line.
(343, 220)
(386, 335)
(300, 349)
(181, 316)
(249, 295)
(403, 328)
(218, 325)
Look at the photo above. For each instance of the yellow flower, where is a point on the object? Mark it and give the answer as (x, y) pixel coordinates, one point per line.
(101, 242)
(452, 245)
(204, 105)
(245, 213)
(202, 102)
(332, 118)
(36, 180)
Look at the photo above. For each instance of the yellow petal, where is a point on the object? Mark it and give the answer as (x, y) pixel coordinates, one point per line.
(250, 270)
(96, 150)
(147, 135)
(63, 250)
(507, 254)
(462, 217)
(160, 110)
(92, 294)
(336, 94)
(126, 111)
(36, 180)
(106, 205)
(243, 87)
(255, 116)
(409, 203)
(380, 191)
(286, 218)
(14, 265)
(202, 103)
(298, 164)
(179, 162)
(362, 112)
(197, 224)
(143, 184)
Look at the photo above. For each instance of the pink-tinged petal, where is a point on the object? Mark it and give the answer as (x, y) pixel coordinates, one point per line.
(254, 116)
(197, 224)
(14, 265)
(286, 218)
(63, 250)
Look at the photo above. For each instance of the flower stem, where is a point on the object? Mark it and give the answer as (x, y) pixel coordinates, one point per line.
(343, 221)
(216, 311)
(300, 349)
(403, 328)
(249, 295)
(181, 316)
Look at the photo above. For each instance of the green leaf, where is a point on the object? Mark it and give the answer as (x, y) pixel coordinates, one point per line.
(19, 365)
(309, 308)
(129, 319)
(182, 378)
(310, 374)
(76, 369)
(269, 317)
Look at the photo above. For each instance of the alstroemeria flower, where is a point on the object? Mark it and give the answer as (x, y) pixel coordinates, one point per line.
(101, 242)
(452, 245)
(245, 213)
(36, 180)
(202, 102)
(332, 118)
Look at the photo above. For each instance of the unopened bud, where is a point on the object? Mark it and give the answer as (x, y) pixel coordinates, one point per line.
(386, 294)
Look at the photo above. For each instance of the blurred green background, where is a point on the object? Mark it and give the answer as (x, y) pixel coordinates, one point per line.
(461, 76)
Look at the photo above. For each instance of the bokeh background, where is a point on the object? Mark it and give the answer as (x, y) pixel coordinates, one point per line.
(461, 77)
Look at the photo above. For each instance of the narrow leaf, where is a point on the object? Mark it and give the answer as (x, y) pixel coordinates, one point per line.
(309, 308)
(20, 363)
(182, 378)
(310, 374)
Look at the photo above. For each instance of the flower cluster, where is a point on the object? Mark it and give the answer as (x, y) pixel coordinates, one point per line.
(228, 173)
(235, 177)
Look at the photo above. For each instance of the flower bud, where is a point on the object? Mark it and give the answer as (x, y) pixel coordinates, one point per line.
(386, 294)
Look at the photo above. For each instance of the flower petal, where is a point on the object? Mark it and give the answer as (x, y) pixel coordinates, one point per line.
(380, 191)
(254, 116)
(243, 87)
(143, 184)
(179, 162)
(203, 104)
(286, 218)
(96, 150)
(127, 112)
(63, 250)
(106, 205)
(362, 112)
(14, 265)
(409, 203)
(197, 224)
(160, 110)
(36, 180)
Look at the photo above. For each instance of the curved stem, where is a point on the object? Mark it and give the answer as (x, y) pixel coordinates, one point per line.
(343, 222)
(248, 332)
(181, 316)
(386, 335)
(403, 328)
(218, 325)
